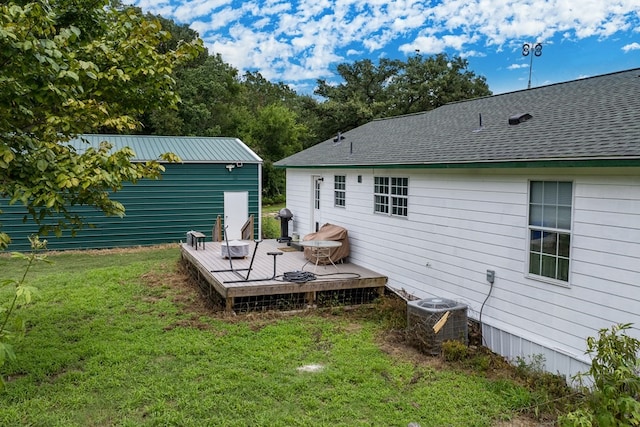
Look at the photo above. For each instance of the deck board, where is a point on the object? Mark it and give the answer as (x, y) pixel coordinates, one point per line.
(231, 285)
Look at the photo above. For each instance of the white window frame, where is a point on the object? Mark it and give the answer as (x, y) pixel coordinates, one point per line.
(316, 192)
(550, 231)
(391, 196)
(340, 191)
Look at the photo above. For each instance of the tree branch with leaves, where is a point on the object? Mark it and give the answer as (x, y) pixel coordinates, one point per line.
(69, 68)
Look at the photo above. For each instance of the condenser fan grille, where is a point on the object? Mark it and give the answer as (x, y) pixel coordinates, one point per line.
(437, 303)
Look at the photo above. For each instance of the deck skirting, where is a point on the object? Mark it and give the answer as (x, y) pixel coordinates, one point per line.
(224, 281)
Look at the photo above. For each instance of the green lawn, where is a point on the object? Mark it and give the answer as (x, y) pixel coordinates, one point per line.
(272, 209)
(113, 341)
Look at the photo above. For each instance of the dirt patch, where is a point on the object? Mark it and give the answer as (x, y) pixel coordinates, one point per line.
(394, 344)
(109, 251)
(180, 286)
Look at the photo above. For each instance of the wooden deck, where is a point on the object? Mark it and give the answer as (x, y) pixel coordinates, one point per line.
(226, 282)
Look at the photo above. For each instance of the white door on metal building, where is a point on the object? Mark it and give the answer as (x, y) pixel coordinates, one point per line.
(236, 213)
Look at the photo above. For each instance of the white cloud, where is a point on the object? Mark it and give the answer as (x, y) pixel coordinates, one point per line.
(221, 19)
(630, 47)
(192, 9)
(517, 66)
(293, 40)
(431, 44)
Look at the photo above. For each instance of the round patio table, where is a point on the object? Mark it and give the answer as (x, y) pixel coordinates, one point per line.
(321, 250)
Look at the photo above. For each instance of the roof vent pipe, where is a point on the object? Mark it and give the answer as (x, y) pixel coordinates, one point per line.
(516, 119)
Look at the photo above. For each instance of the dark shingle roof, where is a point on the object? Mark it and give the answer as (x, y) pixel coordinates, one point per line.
(191, 149)
(589, 119)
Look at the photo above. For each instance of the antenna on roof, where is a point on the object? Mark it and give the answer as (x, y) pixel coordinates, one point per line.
(537, 51)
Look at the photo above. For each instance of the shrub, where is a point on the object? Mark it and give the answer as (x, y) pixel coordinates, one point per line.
(274, 200)
(391, 312)
(612, 384)
(270, 227)
(480, 362)
(453, 350)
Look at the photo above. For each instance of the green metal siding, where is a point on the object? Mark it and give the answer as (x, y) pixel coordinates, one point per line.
(188, 197)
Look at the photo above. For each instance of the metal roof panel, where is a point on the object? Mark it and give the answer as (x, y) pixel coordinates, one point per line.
(191, 149)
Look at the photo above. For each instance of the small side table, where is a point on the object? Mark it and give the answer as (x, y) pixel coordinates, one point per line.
(196, 239)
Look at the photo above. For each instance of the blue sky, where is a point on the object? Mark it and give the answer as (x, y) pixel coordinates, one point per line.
(299, 41)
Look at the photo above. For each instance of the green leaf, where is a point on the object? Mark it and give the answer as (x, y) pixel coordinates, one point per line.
(19, 255)
(6, 352)
(73, 75)
(26, 293)
(8, 282)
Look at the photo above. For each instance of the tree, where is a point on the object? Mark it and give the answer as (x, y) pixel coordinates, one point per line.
(258, 92)
(362, 97)
(395, 87)
(427, 83)
(69, 67)
(275, 133)
(209, 105)
(178, 34)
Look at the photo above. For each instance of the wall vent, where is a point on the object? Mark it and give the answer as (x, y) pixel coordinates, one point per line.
(432, 321)
(516, 119)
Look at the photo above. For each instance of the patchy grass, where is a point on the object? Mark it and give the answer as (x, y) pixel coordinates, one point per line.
(123, 338)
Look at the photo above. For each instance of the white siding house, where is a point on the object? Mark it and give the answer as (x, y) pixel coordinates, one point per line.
(550, 203)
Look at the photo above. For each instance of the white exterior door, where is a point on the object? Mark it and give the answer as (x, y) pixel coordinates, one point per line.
(316, 217)
(236, 213)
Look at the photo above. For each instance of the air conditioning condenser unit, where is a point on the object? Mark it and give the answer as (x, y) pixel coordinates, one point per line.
(432, 321)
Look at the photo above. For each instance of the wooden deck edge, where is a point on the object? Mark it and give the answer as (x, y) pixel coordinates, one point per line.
(274, 293)
(203, 273)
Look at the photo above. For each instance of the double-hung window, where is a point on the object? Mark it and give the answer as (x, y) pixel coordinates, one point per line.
(391, 195)
(550, 229)
(339, 190)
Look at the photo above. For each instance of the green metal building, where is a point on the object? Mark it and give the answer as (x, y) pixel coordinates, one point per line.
(217, 177)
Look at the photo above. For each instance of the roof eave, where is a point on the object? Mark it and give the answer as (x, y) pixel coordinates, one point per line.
(485, 164)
